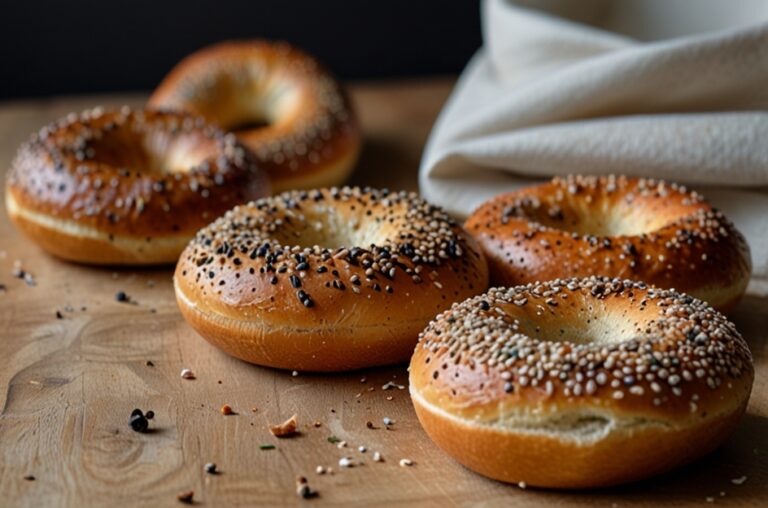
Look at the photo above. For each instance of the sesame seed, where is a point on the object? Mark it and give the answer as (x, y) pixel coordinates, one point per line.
(472, 336)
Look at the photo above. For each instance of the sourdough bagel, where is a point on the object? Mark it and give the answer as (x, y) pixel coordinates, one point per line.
(282, 104)
(326, 280)
(579, 383)
(126, 187)
(633, 228)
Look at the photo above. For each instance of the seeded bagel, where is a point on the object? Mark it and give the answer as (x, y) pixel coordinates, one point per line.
(580, 383)
(634, 228)
(326, 280)
(279, 101)
(125, 186)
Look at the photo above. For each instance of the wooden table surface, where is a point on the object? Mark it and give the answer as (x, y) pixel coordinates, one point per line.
(68, 386)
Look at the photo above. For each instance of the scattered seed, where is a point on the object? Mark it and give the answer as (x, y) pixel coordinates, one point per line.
(20, 273)
(138, 421)
(406, 462)
(187, 374)
(346, 462)
(388, 421)
(210, 468)
(29, 478)
(186, 497)
(302, 488)
(739, 480)
(377, 457)
(226, 409)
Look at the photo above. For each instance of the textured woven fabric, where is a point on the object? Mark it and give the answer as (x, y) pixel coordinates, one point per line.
(549, 96)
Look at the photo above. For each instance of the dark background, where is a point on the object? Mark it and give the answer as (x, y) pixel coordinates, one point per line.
(85, 46)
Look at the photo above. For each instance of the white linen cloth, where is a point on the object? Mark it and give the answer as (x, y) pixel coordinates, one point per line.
(685, 98)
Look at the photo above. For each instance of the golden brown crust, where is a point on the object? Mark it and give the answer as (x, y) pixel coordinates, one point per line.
(326, 280)
(311, 138)
(115, 187)
(562, 372)
(633, 228)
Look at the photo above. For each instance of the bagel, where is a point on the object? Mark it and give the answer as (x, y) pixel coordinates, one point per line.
(326, 280)
(633, 228)
(127, 187)
(282, 104)
(579, 383)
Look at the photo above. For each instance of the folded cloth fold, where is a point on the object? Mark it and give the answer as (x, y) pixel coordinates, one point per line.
(551, 96)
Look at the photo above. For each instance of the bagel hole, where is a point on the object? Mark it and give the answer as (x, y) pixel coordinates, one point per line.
(619, 223)
(325, 227)
(253, 106)
(598, 217)
(248, 125)
(152, 151)
(592, 323)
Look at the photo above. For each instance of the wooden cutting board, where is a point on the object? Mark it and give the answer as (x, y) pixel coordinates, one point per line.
(68, 386)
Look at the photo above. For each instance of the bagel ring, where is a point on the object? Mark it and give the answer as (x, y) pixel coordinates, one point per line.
(326, 280)
(311, 138)
(127, 187)
(579, 383)
(639, 229)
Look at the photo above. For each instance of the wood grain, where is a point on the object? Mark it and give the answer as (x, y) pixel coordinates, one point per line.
(67, 386)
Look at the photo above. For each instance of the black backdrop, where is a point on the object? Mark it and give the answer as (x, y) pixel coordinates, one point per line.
(83, 46)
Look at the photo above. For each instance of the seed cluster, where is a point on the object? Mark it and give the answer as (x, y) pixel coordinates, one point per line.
(117, 168)
(675, 345)
(382, 238)
(287, 83)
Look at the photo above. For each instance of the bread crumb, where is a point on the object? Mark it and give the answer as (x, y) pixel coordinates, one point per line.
(285, 429)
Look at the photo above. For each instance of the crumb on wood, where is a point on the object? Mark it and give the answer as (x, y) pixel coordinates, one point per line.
(285, 429)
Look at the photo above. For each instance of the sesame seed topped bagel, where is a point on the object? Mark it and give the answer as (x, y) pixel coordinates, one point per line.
(634, 228)
(579, 383)
(127, 187)
(326, 280)
(279, 101)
